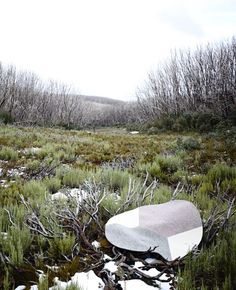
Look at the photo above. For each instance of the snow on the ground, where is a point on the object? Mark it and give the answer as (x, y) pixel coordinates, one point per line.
(89, 281)
(32, 150)
(16, 171)
(134, 132)
(3, 183)
(140, 285)
(110, 266)
(3, 235)
(96, 244)
(77, 193)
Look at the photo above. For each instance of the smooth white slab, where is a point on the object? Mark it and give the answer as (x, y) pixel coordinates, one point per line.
(172, 228)
(130, 219)
(183, 243)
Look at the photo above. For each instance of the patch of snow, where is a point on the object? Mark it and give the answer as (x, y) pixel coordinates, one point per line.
(87, 281)
(136, 284)
(110, 266)
(59, 195)
(32, 150)
(151, 272)
(3, 183)
(134, 132)
(151, 260)
(4, 235)
(96, 244)
(60, 284)
(16, 171)
(41, 275)
(77, 193)
(106, 257)
(140, 285)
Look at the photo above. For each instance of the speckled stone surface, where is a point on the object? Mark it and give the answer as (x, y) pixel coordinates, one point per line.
(174, 228)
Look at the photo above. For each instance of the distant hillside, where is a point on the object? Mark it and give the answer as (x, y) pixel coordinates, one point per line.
(101, 100)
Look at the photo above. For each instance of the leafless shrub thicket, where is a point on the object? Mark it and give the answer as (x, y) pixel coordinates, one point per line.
(26, 99)
(192, 81)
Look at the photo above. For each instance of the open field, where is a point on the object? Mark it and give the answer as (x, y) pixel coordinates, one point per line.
(39, 231)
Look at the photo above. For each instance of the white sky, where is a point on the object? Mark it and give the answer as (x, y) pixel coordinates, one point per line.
(106, 47)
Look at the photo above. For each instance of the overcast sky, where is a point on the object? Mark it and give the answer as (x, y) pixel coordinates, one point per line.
(106, 47)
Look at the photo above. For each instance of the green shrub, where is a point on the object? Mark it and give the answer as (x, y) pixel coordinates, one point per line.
(61, 246)
(220, 177)
(33, 165)
(206, 270)
(115, 179)
(162, 168)
(48, 150)
(232, 117)
(5, 117)
(43, 283)
(111, 203)
(33, 189)
(153, 131)
(191, 144)
(53, 184)
(168, 164)
(17, 243)
(74, 177)
(162, 194)
(219, 172)
(185, 121)
(7, 153)
(6, 280)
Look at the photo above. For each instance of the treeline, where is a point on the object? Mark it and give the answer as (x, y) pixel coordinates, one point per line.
(26, 99)
(202, 82)
(192, 90)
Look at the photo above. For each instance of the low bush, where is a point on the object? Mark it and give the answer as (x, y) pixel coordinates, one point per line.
(53, 184)
(34, 189)
(115, 180)
(213, 268)
(189, 121)
(61, 246)
(5, 117)
(220, 179)
(163, 168)
(7, 153)
(191, 144)
(74, 177)
(17, 243)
